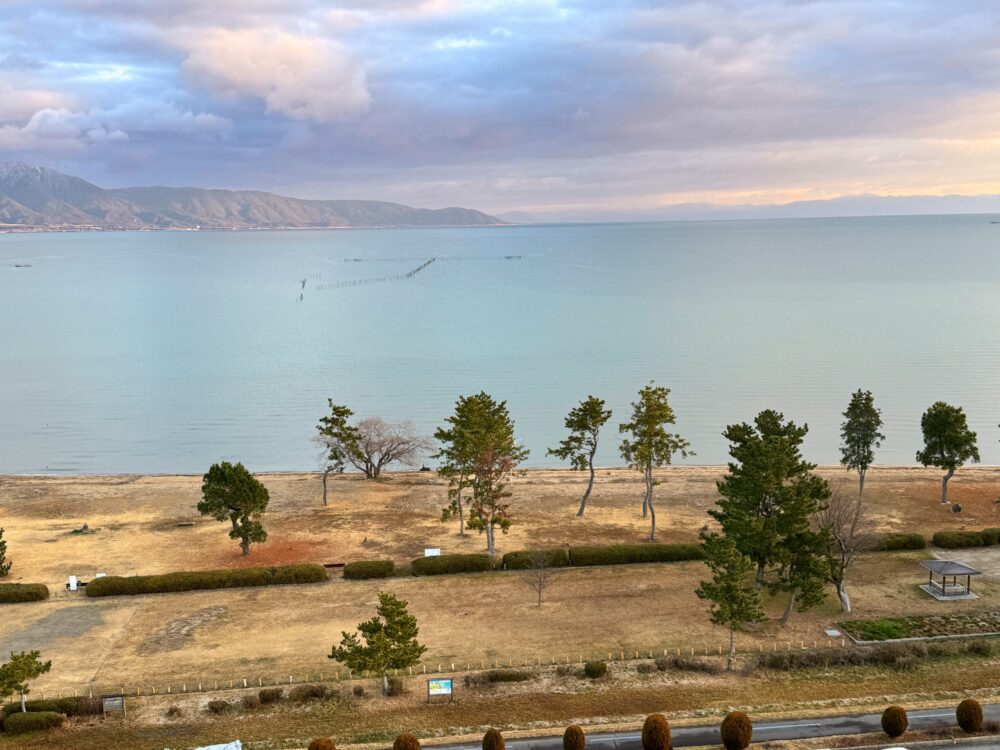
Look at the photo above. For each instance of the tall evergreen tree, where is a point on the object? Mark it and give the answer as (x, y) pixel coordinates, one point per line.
(230, 492)
(4, 562)
(948, 441)
(339, 441)
(584, 423)
(22, 668)
(649, 444)
(861, 435)
(767, 502)
(735, 602)
(390, 641)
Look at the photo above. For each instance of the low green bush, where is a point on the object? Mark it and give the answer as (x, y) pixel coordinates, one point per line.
(595, 670)
(197, 580)
(556, 557)
(13, 593)
(958, 539)
(444, 564)
(882, 629)
(363, 569)
(72, 706)
(269, 696)
(250, 702)
(218, 706)
(396, 686)
(33, 721)
(303, 693)
(492, 676)
(990, 536)
(627, 554)
(899, 541)
(690, 664)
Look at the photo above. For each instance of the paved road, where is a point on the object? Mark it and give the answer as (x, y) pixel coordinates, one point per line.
(822, 726)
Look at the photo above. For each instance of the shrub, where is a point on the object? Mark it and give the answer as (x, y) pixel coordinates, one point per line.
(980, 648)
(74, 706)
(406, 741)
(573, 738)
(395, 686)
(656, 733)
(990, 536)
(736, 730)
(646, 667)
(663, 664)
(218, 706)
(13, 593)
(491, 676)
(969, 715)
(33, 721)
(695, 664)
(362, 569)
(894, 721)
(493, 740)
(595, 670)
(358, 691)
(198, 580)
(900, 541)
(250, 701)
(303, 693)
(444, 564)
(322, 743)
(557, 557)
(627, 554)
(270, 695)
(566, 670)
(958, 539)
(174, 712)
(883, 629)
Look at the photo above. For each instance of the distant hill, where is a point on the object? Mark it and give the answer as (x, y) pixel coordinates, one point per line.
(37, 198)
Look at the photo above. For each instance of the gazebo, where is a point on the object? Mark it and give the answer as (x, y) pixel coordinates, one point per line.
(949, 589)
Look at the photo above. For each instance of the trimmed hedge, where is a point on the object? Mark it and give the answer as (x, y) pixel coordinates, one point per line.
(406, 741)
(197, 580)
(595, 670)
(900, 541)
(656, 733)
(493, 740)
(626, 554)
(11, 593)
(894, 721)
(33, 721)
(444, 564)
(362, 569)
(969, 715)
(322, 743)
(74, 706)
(991, 536)
(736, 731)
(558, 557)
(574, 738)
(958, 539)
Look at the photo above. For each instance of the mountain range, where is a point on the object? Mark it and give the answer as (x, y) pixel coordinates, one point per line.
(38, 198)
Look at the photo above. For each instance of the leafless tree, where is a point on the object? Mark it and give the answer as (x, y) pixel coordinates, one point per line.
(538, 576)
(849, 528)
(382, 443)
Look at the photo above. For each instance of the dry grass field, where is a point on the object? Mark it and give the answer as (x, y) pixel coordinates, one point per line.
(142, 525)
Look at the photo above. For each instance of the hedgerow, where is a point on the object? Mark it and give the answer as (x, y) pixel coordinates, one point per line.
(556, 557)
(12, 593)
(197, 580)
(444, 564)
(958, 539)
(626, 554)
(32, 721)
(362, 569)
(899, 542)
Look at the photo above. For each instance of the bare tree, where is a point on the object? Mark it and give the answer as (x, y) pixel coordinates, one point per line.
(538, 576)
(849, 529)
(382, 443)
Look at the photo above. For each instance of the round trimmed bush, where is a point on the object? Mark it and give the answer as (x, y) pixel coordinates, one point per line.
(736, 730)
(656, 733)
(33, 721)
(322, 743)
(406, 741)
(573, 738)
(970, 715)
(894, 721)
(218, 706)
(595, 670)
(493, 740)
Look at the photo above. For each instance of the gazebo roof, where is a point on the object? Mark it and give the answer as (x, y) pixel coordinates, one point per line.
(949, 568)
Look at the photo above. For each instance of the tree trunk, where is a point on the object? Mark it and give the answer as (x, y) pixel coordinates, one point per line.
(539, 596)
(788, 610)
(326, 473)
(24, 708)
(385, 684)
(648, 476)
(845, 600)
(649, 504)
(245, 545)
(461, 513)
(590, 486)
(944, 485)
(861, 482)
(758, 580)
(489, 539)
(731, 663)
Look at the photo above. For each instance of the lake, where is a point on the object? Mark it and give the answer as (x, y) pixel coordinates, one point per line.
(167, 351)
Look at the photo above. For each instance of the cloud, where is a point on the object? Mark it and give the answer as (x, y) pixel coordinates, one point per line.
(301, 77)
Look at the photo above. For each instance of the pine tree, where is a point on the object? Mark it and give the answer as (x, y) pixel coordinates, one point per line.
(390, 641)
(4, 562)
(735, 602)
(861, 435)
(948, 441)
(584, 423)
(230, 492)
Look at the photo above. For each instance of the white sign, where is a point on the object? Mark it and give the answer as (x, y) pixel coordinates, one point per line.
(439, 687)
(432, 552)
(72, 583)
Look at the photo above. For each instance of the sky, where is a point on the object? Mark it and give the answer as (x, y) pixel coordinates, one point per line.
(572, 109)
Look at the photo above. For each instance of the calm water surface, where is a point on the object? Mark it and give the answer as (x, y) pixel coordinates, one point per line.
(164, 352)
